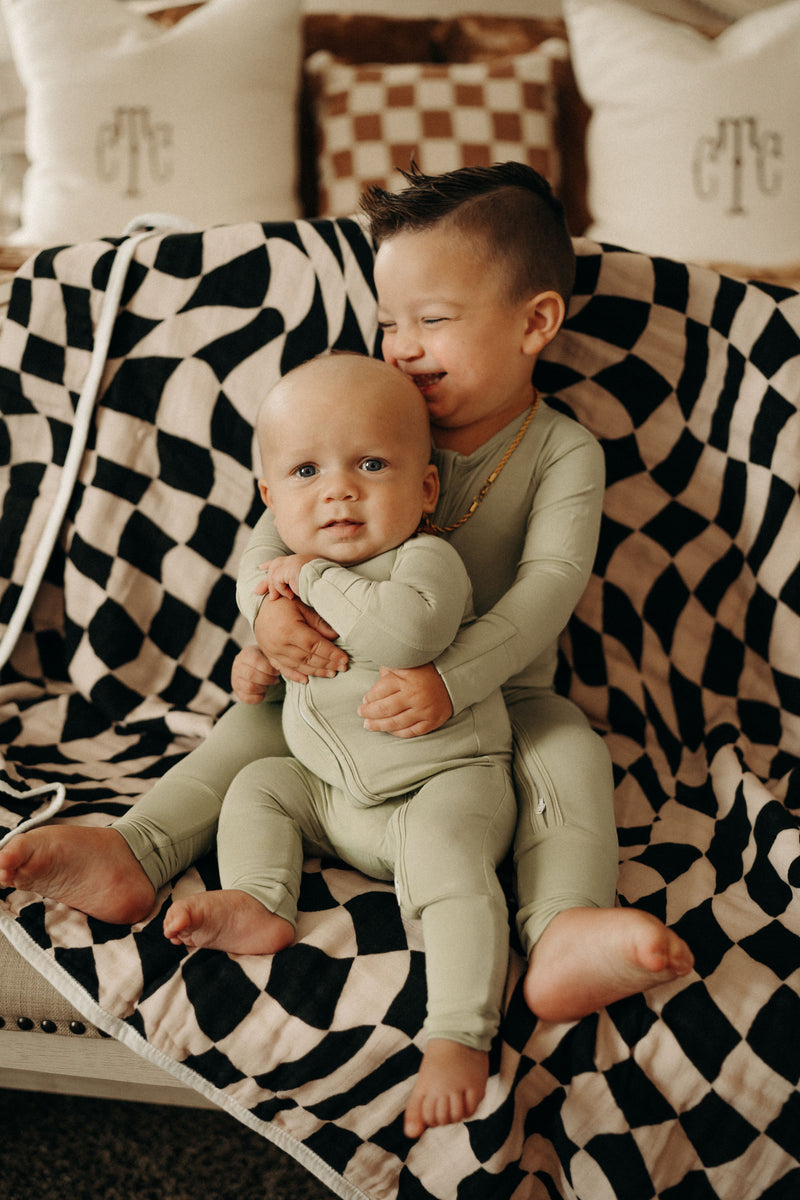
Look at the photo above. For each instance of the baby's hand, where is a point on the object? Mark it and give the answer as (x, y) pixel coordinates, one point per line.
(282, 576)
(251, 675)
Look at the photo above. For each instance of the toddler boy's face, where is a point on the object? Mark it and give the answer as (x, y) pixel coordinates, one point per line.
(346, 460)
(450, 324)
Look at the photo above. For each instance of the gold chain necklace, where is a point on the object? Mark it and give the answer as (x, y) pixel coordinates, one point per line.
(429, 526)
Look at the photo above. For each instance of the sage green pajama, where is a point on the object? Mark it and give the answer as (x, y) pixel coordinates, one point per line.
(435, 813)
(529, 550)
(442, 846)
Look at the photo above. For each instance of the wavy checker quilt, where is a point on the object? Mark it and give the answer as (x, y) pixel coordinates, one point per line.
(683, 652)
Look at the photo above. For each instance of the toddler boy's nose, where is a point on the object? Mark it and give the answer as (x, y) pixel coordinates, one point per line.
(405, 346)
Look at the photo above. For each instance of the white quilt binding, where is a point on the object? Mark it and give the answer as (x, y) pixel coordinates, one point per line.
(77, 443)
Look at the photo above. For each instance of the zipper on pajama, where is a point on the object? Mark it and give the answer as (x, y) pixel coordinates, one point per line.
(545, 809)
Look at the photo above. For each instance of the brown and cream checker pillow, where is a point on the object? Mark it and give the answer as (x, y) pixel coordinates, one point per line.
(373, 119)
(481, 37)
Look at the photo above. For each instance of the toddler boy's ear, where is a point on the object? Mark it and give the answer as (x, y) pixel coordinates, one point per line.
(545, 316)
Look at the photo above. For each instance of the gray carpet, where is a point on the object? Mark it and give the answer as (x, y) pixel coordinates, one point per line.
(53, 1147)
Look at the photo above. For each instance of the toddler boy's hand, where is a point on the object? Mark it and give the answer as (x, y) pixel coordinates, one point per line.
(407, 702)
(297, 641)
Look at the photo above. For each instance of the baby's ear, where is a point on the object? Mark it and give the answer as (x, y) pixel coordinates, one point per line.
(544, 315)
(430, 488)
(263, 491)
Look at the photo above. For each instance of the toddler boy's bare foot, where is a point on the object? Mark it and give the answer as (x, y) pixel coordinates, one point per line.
(590, 957)
(91, 869)
(227, 920)
(450, 1086)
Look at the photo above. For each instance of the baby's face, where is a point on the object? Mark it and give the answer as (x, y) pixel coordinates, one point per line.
(346, 460)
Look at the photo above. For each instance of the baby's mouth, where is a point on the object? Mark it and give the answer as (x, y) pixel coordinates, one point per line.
(342, 523)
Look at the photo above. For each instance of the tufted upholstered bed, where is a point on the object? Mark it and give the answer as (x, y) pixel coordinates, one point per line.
(683, 652)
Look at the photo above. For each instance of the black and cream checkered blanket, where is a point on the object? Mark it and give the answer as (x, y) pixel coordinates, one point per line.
(684, 653)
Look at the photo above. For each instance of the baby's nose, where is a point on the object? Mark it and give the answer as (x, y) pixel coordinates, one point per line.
(341, 485)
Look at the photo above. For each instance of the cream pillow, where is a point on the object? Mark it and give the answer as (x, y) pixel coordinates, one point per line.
(693, 144)
(372, 119)
(127, 116)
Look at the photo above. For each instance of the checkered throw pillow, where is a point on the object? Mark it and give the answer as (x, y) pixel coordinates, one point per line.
(373, 119)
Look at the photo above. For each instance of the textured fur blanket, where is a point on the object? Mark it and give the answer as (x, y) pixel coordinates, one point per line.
(684, 652)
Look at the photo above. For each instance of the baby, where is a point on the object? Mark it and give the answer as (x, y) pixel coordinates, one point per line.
(345, 449)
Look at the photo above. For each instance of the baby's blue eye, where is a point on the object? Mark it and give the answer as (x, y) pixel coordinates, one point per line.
(372, 464)
(307, 471)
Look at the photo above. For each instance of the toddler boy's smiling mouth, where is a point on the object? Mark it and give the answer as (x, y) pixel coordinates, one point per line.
(424, 382)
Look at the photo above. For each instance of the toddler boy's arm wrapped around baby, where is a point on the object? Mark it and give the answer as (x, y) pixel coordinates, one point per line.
(296, 640)
(253, 674)
(300, 643)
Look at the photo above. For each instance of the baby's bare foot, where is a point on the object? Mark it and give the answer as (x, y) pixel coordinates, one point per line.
(590, 957)
(91, 869)
(227, 920)
(450, 1086)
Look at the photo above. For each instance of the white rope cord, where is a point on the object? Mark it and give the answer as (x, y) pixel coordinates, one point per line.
(58, 794)
(77, 444)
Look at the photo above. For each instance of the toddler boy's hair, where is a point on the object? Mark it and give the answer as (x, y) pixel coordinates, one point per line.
(509, 206)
